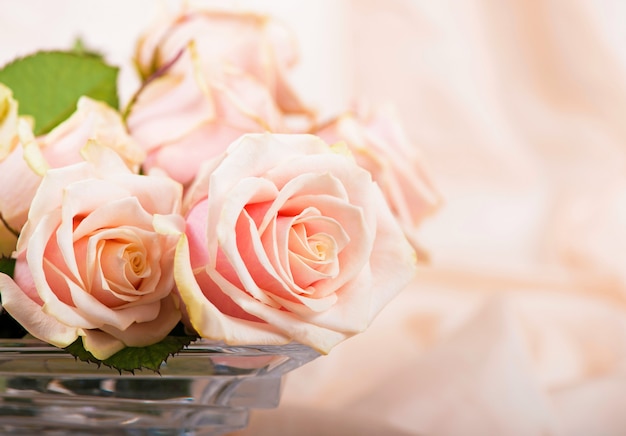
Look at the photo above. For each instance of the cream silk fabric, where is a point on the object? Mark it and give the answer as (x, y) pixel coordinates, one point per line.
(518, 325)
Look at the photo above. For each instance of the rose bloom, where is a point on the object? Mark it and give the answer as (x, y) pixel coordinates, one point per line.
(8, 121)
(185, 117)
(95, 258)
(92, 120)
(12, 168)
(256, 44)
(25, 159)
(380, 145)
(287, 239)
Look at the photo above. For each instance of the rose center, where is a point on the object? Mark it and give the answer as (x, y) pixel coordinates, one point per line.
(135, 260)
(314, 244)
(322, 247)
(124, 265)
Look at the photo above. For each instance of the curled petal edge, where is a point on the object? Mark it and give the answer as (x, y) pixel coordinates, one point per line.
(31, 316)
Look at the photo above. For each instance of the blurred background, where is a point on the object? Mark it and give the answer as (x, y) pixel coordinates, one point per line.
(518, 324)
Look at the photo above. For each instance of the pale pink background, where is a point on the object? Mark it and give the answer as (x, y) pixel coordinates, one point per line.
(518, 326)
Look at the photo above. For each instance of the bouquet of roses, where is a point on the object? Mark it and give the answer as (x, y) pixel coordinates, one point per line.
(196, 211)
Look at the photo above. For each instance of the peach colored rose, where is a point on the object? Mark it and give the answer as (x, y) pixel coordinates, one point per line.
(95, 258)
(17, 181)
(183, 118)
(379, 144)
(288, 239)
(256, 44)
(27, 158)
(18, 184)
(92, 120)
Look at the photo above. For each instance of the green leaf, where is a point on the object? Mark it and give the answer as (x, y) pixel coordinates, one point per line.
(135, 358)
(7, 265)
(47, 85)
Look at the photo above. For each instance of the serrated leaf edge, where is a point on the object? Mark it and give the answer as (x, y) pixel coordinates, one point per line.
(91, 359)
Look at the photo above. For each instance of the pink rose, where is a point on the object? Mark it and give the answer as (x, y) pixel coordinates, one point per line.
(28, 158)
(95, 258)
(183, 118)
(18, 184)
(92, 120)
(255, 44)
(17, 181)
(288, 239)
(380, 145)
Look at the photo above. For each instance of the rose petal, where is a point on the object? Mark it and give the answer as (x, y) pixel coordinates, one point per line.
(319, 338)
(207, 320)
(142, 334)
(32, 318)
(102, 345)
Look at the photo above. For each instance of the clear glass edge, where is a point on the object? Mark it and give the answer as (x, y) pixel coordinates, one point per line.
(283, 358)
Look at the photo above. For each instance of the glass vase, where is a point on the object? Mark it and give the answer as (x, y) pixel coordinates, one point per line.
(206, 389)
